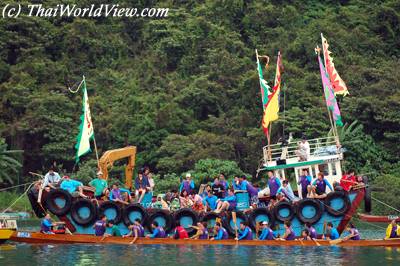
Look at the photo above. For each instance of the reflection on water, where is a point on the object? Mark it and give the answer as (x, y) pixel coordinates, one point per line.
(194, 255)
(24, 254)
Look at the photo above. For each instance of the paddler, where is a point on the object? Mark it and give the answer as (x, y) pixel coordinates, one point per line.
(158, 231)
(353, 233)
(331, 232)
(289, 233)
(266, 233)
(305, 234)
(220, 232)
(46, 225)
(100, 226)
(179, 232)
(202, 232)
(311, 230)
(393, 230)
(114, 228)
(245, 232)
(136, 230)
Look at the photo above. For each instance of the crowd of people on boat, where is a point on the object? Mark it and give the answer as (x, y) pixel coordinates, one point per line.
(218, 196)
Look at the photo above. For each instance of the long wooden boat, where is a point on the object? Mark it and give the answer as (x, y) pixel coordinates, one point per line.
(40, 238)
(378, 219)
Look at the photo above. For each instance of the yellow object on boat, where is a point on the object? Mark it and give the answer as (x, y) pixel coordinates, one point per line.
(5, 234)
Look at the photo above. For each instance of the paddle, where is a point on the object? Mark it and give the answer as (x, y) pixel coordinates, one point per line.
(336, 241)
(316, 242)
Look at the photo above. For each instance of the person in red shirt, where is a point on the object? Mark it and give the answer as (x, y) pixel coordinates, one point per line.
(180, 232)
(349, 180)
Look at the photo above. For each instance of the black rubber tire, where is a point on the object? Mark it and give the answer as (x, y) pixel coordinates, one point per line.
(367, 196)
(52, 206)
(161, 213)
(231, 231)
(253, 215)
(283, 205)
(346, 203)
(210, 216)
(133, 207)
(75, 214)
(39, 211)
(187, 212)
(110, 204)
(307, 202)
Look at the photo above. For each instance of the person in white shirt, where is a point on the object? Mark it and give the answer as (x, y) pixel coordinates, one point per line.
(303, 150)
(51, 180)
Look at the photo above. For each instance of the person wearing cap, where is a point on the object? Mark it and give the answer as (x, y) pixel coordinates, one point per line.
(74, 187)
(100, 186)
(266, 232)
(187, 184)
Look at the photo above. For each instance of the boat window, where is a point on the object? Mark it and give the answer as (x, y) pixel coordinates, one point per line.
(324, 168)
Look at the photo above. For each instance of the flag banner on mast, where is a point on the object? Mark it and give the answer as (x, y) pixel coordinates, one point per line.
(338, 85)
(86, 132)
(329, 94)
(272, 109)
(265, 88)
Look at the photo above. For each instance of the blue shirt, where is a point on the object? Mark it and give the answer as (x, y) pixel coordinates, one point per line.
(288, 192)
(244, 234)
(266, 234)
(158, 233)
(211, 201)
(70, 185)
(325, 181)
(222, 234)
(334, 234)
(235, 186)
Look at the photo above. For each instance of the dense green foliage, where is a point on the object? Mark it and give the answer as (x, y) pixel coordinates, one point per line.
(185, 88)
(9, 165)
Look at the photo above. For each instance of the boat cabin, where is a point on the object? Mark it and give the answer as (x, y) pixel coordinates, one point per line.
(324, 156)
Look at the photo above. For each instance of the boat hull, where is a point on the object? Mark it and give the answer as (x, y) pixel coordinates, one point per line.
(378, 219)
(40, 238)
(5, 234)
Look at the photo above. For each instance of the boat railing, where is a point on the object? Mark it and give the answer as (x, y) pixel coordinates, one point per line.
(319, 147)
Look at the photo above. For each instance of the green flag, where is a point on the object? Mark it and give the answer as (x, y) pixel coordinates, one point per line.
(86, 131)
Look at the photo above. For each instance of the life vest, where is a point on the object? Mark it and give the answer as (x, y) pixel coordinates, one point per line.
(181, 232)
(99, 228)
(304, 182)
(161, 232)
(224, 233)
(321, 186)
(357, 234)
(204, 235)
(313, 233)
(291, 235)
(273, 186)
(249, 235)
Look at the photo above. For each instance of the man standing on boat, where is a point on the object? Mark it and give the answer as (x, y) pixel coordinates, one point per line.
(273, 183)
(304, 181)
(303, 150)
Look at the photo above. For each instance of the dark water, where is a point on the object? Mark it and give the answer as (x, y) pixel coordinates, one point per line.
(25, 254)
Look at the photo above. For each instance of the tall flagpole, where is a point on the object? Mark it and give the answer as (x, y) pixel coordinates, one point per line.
(333, 123)
(270, 125)
(94, 138)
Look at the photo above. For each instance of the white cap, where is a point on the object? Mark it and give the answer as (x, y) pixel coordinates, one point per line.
(265, 223)
(188, 175)
(99, 173)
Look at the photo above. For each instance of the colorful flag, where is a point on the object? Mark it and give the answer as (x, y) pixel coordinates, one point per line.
(272, 108)
(338, 85)
(329, 94)
(86, 131)
(265, 89)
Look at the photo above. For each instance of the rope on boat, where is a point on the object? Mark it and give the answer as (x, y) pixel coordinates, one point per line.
(7, 188)
(23, 194)
(387, 205)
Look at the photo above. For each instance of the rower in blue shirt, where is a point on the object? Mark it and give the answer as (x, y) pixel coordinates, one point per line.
(220, 231)
(245, 232)
(158, 231)
(266, 233)
(331, 232)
